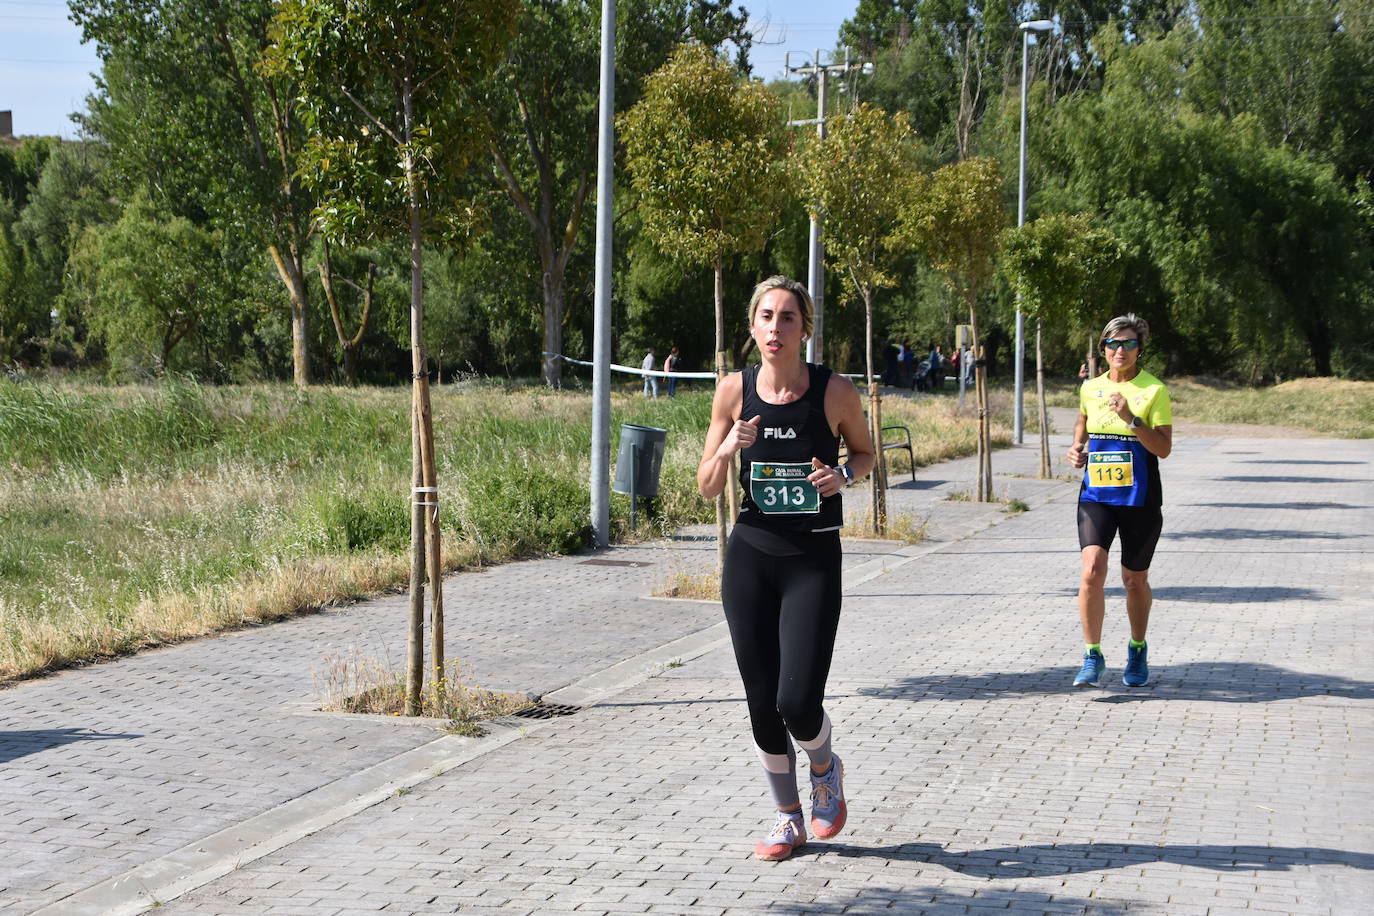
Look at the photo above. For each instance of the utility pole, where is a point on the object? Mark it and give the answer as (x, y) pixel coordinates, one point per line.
(815, 271)
(601, 335)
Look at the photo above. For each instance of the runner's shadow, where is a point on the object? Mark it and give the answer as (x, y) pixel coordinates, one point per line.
(1221, 682)
(16, 744)
(1262, 534)
(1220, 594)
(873, 899)
(1056, 859)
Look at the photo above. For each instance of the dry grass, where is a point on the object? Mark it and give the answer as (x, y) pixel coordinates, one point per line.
(901, 526)
(699, 586)
(358, 683)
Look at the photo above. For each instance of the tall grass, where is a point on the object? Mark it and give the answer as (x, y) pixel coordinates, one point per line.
(1322, 406)
(137, 515)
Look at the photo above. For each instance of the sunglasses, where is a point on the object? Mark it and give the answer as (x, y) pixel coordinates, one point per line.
(1111, 343)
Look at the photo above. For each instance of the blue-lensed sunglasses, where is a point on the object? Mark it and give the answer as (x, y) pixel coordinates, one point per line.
(1111, 343)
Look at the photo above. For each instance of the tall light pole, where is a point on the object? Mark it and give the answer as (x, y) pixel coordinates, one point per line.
(1018, 411)
(815, 271)
(601, 332)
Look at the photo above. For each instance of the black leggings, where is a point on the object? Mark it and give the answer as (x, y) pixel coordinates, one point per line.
(781, 594)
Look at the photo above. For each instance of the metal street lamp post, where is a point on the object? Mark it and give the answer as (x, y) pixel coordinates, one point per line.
(1018, 411)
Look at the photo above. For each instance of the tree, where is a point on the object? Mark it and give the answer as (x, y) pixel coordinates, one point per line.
(146, 284)
(859, 179)
(218, 147)
(540, 111)
(390, 142)
(705, 153)
(956, 219)
(1066, 270)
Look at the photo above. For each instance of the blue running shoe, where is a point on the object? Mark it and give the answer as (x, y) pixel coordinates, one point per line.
(787, 834)
(1090, 675)
(1137, 673)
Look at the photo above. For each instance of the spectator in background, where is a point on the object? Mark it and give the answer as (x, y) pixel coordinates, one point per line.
(890, 355)
(671, 364)
(908, 378)
(650, 381)
(937, 367)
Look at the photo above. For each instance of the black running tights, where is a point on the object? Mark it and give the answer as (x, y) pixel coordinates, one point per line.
(783, 613)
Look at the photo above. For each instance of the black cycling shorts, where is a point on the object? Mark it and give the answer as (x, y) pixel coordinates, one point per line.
(1098, 524)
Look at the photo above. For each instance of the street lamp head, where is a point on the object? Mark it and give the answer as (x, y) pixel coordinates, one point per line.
(1037, 25)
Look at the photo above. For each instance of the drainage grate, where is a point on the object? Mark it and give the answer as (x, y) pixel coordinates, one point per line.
(542, 710)
(635, 564)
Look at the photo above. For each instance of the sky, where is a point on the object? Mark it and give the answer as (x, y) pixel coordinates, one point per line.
(45, 70)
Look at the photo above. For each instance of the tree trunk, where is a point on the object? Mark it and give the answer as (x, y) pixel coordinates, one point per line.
(291, 269)
(1091, 358)
(348, 346)
(727, 501)
(421, 435)
(1040, 396)
(983, 487)
(878, 479)
(553, 325)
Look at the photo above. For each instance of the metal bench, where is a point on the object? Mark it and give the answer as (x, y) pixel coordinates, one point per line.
(902, 441)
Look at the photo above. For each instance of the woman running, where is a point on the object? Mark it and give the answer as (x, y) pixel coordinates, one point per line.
(1124, 426)
(781, 582)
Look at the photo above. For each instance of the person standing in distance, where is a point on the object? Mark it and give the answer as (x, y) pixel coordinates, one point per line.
(672, 363)
(650, 381)
(781, 583)
(1124, 427)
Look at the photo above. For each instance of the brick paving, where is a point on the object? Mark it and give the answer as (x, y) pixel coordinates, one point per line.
(1239, 781)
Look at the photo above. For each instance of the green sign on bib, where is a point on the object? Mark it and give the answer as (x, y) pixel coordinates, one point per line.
(782, 489)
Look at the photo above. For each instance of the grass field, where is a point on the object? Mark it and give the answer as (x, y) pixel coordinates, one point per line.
(140, 515)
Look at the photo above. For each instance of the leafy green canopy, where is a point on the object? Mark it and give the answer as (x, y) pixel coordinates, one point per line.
(859, 179)
(1065, 267)
(705, 151)
(383, 86)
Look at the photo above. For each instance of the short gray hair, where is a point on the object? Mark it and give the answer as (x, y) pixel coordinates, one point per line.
(778, 281)
(1128, 322)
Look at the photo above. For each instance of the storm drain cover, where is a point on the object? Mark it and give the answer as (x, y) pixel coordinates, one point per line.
(635, 564)
(542, 710)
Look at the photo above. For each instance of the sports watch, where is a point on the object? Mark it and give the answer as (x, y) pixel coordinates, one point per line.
(846, 473)
(1136, 422)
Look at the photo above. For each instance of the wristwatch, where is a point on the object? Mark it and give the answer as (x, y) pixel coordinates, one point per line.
(1136, 422)
(846, 473)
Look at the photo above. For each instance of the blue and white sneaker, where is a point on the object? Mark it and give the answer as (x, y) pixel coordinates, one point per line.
(828, 810)
(1137, 673)
(787, 835)
(1090, 675)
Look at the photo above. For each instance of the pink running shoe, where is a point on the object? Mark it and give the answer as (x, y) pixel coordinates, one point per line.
(828, 810)
(787, 835)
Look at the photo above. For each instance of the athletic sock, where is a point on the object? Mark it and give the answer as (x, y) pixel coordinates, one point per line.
(1094, 647)
(818, 748)
(1136, 643)
(781, 770)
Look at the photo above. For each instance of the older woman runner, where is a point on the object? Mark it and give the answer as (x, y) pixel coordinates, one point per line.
(1125, 425)
(781, 582)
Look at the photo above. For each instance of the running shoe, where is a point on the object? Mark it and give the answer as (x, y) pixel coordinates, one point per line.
(828, 810)
(787, 835)
(1090, 675)
(1137, 673)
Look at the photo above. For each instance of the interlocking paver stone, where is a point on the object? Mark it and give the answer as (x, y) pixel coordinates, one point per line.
(1239, 780)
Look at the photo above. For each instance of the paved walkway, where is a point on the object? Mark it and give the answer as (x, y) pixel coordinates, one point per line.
(198, 779)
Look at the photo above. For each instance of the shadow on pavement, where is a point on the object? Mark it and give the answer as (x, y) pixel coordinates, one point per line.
(1278, 479)
(1299, 505)
(16, 744)
(1294, 461)
(1263, 534)
(1054, 859)
(1229, 594)
(1223, 682)
(873, 899)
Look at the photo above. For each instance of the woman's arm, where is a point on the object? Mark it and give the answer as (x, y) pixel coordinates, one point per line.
(846, 414)
(1077, 456)
(726, 435)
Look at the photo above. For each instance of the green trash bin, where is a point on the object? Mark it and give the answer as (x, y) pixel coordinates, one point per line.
(639, 461)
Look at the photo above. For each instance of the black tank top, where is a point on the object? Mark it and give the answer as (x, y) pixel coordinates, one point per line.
(789, 434)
